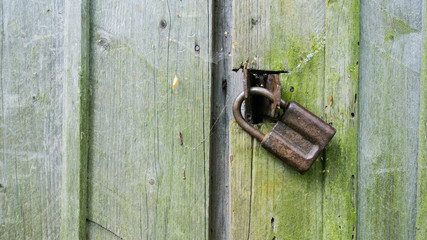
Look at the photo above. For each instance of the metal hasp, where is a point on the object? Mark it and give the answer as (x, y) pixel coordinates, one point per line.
(297, 139)
(256, 107)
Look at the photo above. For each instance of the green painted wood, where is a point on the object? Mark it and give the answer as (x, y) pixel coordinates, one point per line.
(422, 154)
(321, 53)
(341, 110)
(142, 183)
(389, 115)
(31, 73)
(76, 120)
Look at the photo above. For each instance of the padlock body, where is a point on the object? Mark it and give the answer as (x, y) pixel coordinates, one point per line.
(298, 138)
(308, 125)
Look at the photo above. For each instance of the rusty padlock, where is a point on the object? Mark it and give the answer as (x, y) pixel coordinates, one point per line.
(297, 139)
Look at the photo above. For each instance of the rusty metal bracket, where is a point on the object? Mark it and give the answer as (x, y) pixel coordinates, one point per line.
(258, 108)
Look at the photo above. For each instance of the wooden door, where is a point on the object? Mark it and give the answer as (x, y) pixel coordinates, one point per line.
(116, 119)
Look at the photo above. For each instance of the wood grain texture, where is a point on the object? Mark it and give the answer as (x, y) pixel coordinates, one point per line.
(98, 232)
(273, 34)
(341, 108)
(283, 203)
(143, 184)
(321, 53)
(76, 120)
(389, 107)
(292, 200)
(422, 147)
(240, 182)
(222, 98)
(31, 73)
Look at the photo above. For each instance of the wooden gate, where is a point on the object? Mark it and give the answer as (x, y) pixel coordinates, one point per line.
(116, 119)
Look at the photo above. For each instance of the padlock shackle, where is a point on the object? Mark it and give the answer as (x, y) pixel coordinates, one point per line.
(238, 114)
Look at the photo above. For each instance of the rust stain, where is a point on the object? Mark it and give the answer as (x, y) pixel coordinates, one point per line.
(180, 138)
(183, 173)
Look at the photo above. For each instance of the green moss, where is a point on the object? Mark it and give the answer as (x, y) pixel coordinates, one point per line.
(397, 26)
(400, 26)
(389, 35)
(296, 51)
(329, 2)
(422, 155)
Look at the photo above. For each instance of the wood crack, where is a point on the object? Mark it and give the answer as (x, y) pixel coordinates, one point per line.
(106, 229)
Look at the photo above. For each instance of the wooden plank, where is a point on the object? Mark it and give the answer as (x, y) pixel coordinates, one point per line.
(422, 154)
(297, 41)
(277, 190)
(389, 104)
(150, 64)
(276, 34)
(76, 120)
(223, 94)
(31, 73)
(240, 162)
(341, 101)
(321, 52)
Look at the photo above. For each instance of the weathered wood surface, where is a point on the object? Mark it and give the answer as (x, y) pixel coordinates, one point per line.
(277, 208)
(223, 93)
(240, 162)
(321, 53)
(389, 108)
(143, 184)
(150, 70)
(97, 232)
(272, 34)
(341, 110)
(76, 119)
(297, 42)
(31, 74)
(422, 147)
